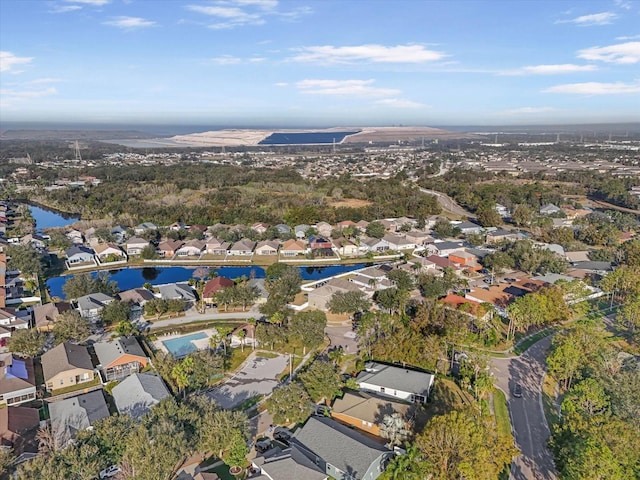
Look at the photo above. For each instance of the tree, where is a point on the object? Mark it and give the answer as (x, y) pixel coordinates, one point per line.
(402, 279)
(498, 261)
(207, 369)
(126, 329)
(394, 428)
(390, 298)
(348, 302)
(182, 372)
(289, 404)
(219, 429)
(629, 253)
(6, 459)
(444, 229)
(84, 284)
(115, 312)
(70, 326)
(522, 215)
(149, 252)
(321, 380)
(26, 259)
(26, 342)
(308, 327)
(152, 454)
(375, 230)
(565, 359)
(488, 216)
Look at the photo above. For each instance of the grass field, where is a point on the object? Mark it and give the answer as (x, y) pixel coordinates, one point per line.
(503, 422)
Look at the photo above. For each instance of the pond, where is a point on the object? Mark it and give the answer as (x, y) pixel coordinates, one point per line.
(128, 278)
(46, 218)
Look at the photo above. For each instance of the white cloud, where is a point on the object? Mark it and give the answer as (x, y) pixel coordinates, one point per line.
(65, 8)
(355, 88)
(40, 81)
(551, 69)
(623, 4)
(368, 53)
(8, 61)
(226, 60)
(97, 3)
(281, 84)
(10, 98)
(622, 53)
(595, 88)
(238, 13)
(629, 37)
(257, 59)
(129, 23)
(603, 18)
(263, 4)
(529, 110)
(400, 103)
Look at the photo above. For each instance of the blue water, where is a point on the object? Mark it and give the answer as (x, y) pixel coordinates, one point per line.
(128, 278)
(302, 138)
(182, 346)
(49, 219)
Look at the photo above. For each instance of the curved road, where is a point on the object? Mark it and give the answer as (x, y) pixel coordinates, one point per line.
(447, 203)
(527, 416)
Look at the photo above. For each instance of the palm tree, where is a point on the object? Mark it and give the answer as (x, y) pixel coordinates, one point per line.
(241, 335)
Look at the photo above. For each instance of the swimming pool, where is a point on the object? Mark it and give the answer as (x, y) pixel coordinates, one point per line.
(182, 346)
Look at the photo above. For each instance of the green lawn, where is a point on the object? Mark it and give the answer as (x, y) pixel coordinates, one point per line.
(78, 388)
(522, 347)
(503, 423)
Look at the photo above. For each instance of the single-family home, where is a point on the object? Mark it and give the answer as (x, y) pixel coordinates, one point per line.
(17, 380)
(242, 247)
(283, 229)
(119, 233)
(67, 365)
(422, 265)
(467, 260)
(324, 229)
(502, 235)
(417, 237)
(376, 244)
(135, 245)
(213, 286)
(397, 382)
(502, 210)
(136, 296)
(549, 209)
(444, 249)
(137, 393)
(35, 240)
(362, 225)
(72, 415)
(215, 246)
(18, 430)
(468, 228)
(105, 251)
(291, 248)
(346, 247)
(177, 291)
(397, 242)
(366, 412)
(91, 305)
(143, 227)
(10, 322)
(177, 226)
(191, 248)
(319, 297)
(79, 254)
(319, 243)
(75, 236)
(301, 231)
(120, 358)
(44, 316)
(168, 248)
(260, 227)
(267, 247)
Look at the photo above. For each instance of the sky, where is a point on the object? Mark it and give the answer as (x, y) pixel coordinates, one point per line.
(320, 62)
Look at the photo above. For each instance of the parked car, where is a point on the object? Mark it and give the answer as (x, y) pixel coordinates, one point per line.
(263, 445)
(517, 391)
(282, 434)
(109, 471)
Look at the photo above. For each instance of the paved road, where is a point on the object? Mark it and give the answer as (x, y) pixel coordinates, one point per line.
(527, 417)
(448, 204)
(192, 316)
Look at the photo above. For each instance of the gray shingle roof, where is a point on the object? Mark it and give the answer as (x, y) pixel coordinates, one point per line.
(93, 300)
(290, 465)
(78, 413)
(396, 378)
(107, 352)
(65, 356)
(177, 291)
(136, 394)
(341, 446)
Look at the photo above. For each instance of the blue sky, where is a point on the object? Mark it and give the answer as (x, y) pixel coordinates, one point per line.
(320, 62)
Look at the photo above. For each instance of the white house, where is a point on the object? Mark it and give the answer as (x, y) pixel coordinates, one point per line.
(91, 305)
(409, 385)
(135, 245)
(192, 248)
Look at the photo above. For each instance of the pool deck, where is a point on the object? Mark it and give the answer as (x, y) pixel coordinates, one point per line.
(200, 344)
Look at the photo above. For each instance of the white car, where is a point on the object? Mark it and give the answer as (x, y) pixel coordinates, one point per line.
(109, 471)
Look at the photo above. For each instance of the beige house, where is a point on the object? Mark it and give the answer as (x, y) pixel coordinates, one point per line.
(67, 365)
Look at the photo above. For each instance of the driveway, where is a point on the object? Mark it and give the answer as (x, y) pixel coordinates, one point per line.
(527, 417)
(342, 336)
(258, 376)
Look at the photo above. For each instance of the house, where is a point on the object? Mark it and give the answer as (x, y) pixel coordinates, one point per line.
(502, 210)
(242, 247)
(191, 248)
(376, 244)
(401, 383)
(260, 227)
(501, 235)
(267, 247)
(444, 249)
(396, 242)
(18, 429)
(339, 451)
(580, 256)
(388, 224)
(120, 358)
(177, 291)
(324, 229)
(283, 229)
(366, 412)
(137, 393)
(422, 265)
(213, 286)
(35, 240)
(143, 227)
(362, 225)
(109, 250)
(216, 246)
(119, 233)
(292, 248)
(10, 322)
(258, 283)
(549, 209)
(75, 236)
(79, 254)
(135, 245)
(468, 228)
(67, 365)
(44, 316)
(72, 415)
(346, 248)
(243, 335)
(465, 305)
(17, 380)
(136, 296)
(177, 226)
(91, 305)
(319, 297)
(319, 243)
(301, 231)
(168, 248)
(467, 260)
(418, 238)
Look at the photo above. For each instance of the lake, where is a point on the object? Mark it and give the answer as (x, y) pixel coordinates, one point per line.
(128, 278)
(46, 218)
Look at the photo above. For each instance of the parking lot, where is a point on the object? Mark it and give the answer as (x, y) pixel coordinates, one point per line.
(258, 376)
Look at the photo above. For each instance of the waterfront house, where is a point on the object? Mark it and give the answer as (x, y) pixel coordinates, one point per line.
(44, 316)
(120, 358)
(292, 248)
(215, 246)
(91, 305)
(168, 248)
(242, 247)
(191, 248)
(319, 243)
(267, 247)
(177, 291)
(213, 286)
(109, 250)
(67, 365)
(79, 254)
(135, 245)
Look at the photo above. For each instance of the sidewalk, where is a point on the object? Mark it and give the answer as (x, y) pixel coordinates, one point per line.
(199, 317)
